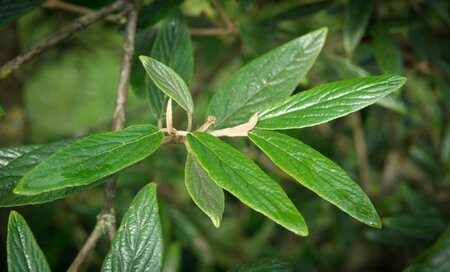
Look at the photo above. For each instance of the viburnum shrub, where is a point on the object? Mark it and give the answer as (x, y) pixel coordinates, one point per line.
(256, 102)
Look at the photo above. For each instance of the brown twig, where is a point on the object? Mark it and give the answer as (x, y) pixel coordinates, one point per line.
(227, 28)
(60, 35)
(361, 151)
(106, 219)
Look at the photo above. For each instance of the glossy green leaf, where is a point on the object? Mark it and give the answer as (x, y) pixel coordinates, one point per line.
(356, 19)
(271, 77)
(143, 46)
(264, 264)
(317, 173)
(346, 69)
(244, 179)
(327, 102)
(387, 52)
(173, 48)
(169, 82)
(24, 253)
(9, 154)
(12, 9)
(90, 159)
(138, 244)
(22, 159)
(204, 191)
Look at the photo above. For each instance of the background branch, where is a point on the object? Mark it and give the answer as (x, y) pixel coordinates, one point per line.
(361, 151)
(60, 35)
(106, 220)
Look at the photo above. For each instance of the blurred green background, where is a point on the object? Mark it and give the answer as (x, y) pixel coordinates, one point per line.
(70, 91)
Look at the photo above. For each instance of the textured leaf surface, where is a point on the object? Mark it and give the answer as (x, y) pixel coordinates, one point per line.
(317, 173)
(24, 253)
(21, 160)
(264, 264)
(91, 159)
(387, 52)
(12, 9)
(204, 191)
(268, 78)
(327, 102)
(173, 48)
(138, 245)
(244, 179)
(356, 19)
(348, 70)
(169, 82)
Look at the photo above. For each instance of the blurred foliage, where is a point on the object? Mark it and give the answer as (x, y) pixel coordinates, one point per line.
(70, 91)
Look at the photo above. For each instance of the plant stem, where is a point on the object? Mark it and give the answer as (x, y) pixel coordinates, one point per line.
(361, 151)
(106, 219)
(60, 35)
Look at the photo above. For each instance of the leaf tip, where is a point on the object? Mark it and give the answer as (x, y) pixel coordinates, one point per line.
(143, 58)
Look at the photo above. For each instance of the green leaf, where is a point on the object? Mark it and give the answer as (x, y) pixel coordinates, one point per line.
(24, 253)
(169, 82)
(204, 191)
(138, 244)
(346, 69)
(173, 48)
(12, 9)
(17, 161)
(143, 45)
(244, 179)
(9, 154)
(386, 50)
(152, 13)
(91, 159)
(327, 102)
(356, 19)
(317, 173)
(264, 264)
(269, 78)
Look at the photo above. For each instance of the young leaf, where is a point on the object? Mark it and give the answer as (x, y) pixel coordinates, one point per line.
(173, 48)
(24, 253)
(244, 179)
(138, 244)
(268, 78)
(387, 52)
(203, 190)
(327, 102)
(356, 18)
(91, 159)
(20, 161)
(317, 173)
(169, 82)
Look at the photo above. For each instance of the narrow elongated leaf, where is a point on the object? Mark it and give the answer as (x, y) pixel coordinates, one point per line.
(91, 159)
(268, 78)
(138, 245)
(327, 102)
(24, 253)
(317, 173)
(387, 52)
(12, 9)
(204, 191)
(348, 70)
(264, 264)
(244, 179)
(9, 154)
(19, 165)
(173, 48)
(356, 18)
(169, 82)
